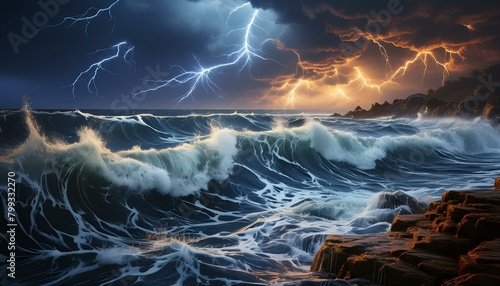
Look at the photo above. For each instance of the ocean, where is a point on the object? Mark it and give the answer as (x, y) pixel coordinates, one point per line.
(210, 197)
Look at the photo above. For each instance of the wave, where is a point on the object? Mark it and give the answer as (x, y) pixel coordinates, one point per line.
(291, 152)
(219, 198)
(364, 151)
(178, 171)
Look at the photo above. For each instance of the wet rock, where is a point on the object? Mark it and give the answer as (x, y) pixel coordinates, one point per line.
(434, 205)
(402, 273)
(394, 200)
(454, 197)
(403, 222)
(323, 275)
(366, 266)
(431, 214)
(447, 226)
(497, 184)
(481, 279)
(336, 250)
(480, 226)
(417, 256)
(441, 269)
(444, 244)
(458, 236)
(457, 212)
(488, 227)
(437, 222)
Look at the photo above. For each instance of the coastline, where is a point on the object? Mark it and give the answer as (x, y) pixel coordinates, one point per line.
(467, 98)
(455, 242)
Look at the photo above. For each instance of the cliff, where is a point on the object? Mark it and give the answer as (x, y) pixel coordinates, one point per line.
(466, 97)
(456, 242)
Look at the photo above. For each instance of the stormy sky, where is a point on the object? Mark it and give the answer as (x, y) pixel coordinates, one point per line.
(232, 54)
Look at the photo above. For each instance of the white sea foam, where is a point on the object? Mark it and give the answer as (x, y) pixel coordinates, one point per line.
(182, 170)
(454, 136)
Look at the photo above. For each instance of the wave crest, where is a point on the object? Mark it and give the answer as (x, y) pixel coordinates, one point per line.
(178, 171)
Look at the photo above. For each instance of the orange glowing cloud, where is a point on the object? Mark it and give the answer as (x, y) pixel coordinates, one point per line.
(379, 54)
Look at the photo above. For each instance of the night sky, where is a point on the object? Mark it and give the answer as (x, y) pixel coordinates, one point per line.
(228, 54)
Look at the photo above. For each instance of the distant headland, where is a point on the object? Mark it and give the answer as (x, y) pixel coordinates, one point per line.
(467, 97)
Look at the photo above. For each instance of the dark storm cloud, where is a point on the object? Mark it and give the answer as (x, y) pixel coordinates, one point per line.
(152, 27)
(418, 25)
(164, 33)
(324, 35)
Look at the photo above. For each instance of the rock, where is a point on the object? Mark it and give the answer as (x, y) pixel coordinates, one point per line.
(487, 196)
(441, 269)
(480, 226)
(458, 98)
(403, 222)
(431, 215)
(485, 258)
(394, 200)
(481, 279)
(466, 228)
(497, 184)
(457, 212)
(402, 273)
(437, 222)
(453, 197)
(417, 256)
(418, 233)
(336, 250)
(434, 205)
(447, 226)
(483, 197)
(366, 266)
(458, 236)
(444, 244)
(488, 227)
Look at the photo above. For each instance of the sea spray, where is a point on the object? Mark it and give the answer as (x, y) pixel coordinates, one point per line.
(253, 193)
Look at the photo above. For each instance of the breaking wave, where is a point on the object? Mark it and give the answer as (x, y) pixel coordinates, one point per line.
(215, 197)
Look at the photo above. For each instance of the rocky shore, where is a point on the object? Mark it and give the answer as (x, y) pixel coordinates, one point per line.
(466, 97)
(456, 242)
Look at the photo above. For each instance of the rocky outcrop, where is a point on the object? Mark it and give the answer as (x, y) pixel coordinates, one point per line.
(475, 96)
(398, 200)
(456, 242)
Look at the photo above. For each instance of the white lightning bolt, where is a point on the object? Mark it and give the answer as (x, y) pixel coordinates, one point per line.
(88, 16)
(94, 69)
(236, 9)
(242, 55)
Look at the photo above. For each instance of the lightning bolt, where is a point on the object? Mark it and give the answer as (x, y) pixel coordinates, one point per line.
(365, 82)
(235, 10)
(292, 95)
(423, 57)
(242, 55)
(122, 48)
(93, 70)
(87, 17)
(383, 53)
